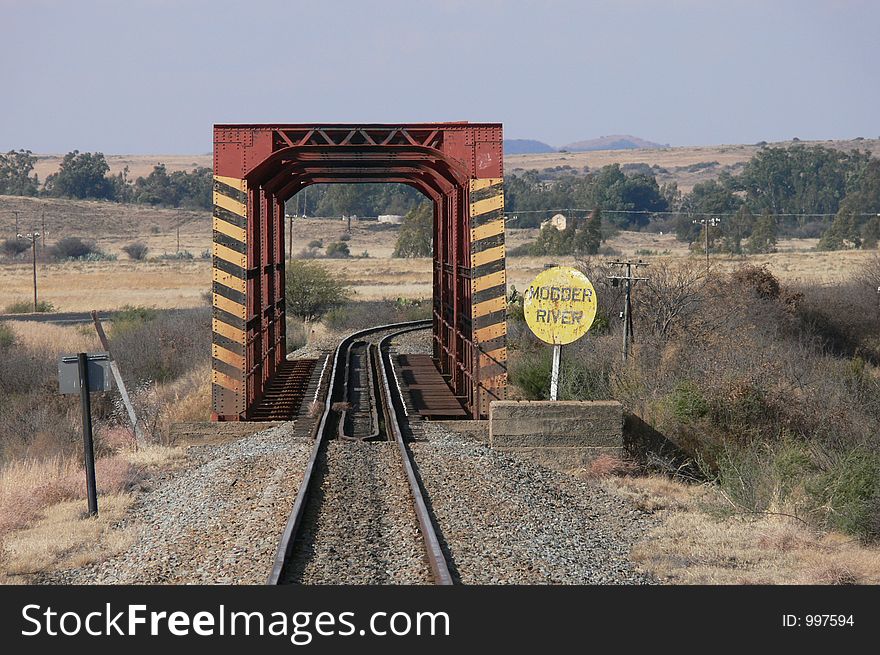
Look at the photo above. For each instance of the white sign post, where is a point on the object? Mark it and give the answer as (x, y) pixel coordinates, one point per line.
(559, 307)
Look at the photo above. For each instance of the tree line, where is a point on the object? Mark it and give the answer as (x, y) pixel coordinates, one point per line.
(86, 176)
(802, 191)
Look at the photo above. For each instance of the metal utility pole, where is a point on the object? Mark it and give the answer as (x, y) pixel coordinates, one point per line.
(707, 223)
(32, 237)
(88, 442)
(628, 335)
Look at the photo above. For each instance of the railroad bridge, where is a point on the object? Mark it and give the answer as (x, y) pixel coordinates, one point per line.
(459, 166)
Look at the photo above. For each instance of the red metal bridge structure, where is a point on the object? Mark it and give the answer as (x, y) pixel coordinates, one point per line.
(459, 166)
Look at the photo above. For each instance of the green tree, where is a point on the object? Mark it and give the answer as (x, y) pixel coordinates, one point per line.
(415, 238)
(799, 179)
(311, 290)
(763, 237)
(843, 233)
(588, 238)
(612, 190)
(82, 175)
(15, 174)
(871, 233)
(735, 229)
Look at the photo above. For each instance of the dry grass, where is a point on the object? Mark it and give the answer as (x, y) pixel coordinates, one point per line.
(54, 339)
(604, 466)
(82, 286)
(138, 165)
(62, 538)
(43, 502)
(698, 542)
(189, 397)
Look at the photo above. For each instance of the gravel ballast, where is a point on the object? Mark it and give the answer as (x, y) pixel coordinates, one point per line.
(216, 519)
(505, 520)
(361, 527)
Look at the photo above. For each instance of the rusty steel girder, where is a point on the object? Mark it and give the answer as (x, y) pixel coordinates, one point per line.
(257, 168)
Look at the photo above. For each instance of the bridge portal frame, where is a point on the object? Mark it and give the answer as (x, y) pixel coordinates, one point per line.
(459, 166)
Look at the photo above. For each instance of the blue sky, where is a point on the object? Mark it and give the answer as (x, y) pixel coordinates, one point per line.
(152, 76)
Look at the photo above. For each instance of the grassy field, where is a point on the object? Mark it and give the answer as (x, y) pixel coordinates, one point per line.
(167, 283)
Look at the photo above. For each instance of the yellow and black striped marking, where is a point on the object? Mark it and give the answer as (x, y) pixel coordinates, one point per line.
(488, 288)
(229, 296)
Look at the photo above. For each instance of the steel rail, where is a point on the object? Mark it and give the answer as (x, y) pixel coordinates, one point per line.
(294, 521)
(433, 551)
(374, 411)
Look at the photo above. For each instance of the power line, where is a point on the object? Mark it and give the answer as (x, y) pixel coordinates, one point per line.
(671, 213)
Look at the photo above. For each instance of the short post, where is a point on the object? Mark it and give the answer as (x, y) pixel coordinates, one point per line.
(554, 374)
(88, 443)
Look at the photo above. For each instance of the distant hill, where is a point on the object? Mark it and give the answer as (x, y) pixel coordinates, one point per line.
(525, 147)
(612, 142)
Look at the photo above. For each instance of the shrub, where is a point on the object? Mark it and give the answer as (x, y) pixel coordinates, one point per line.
(364, 313)
(338, 250)
(180, 255)
(73, 248)
(345, 237)
(13, 247)
(7, 336)
(137, 250)
(311, 290)
(849, 491)
(27, 306)
(297, 335)
(687, 402)
(531, 373)
(160, 346)
(131, 316)
(316, 243)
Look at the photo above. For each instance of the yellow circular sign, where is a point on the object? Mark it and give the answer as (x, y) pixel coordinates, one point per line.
(560, 305)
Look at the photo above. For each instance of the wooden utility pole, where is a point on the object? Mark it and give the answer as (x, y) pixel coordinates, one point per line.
(290, 237)
(32, 237)
(628, 279)
(707, 223)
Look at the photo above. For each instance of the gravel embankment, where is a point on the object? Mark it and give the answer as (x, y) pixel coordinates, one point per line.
(361, 527)
(507, 521)
(216, 519)
(414, 342)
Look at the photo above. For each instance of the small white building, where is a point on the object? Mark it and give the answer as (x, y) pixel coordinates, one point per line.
(393, 219)
(559, 221)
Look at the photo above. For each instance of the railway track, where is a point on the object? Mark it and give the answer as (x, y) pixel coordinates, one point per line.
(359, 516)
